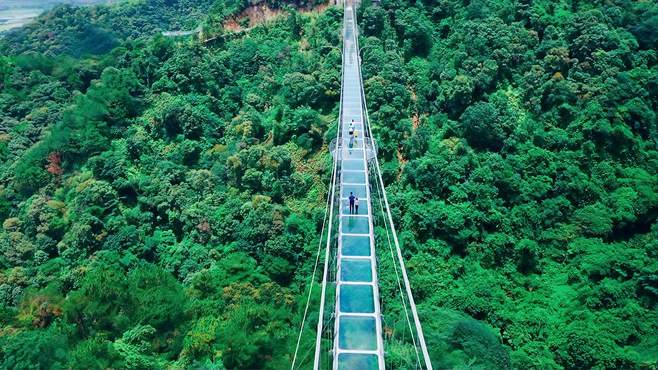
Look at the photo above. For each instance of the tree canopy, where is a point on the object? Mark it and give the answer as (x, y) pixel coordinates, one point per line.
(520, 144)
(160, 197)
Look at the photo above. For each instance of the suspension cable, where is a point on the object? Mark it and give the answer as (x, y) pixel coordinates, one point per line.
(397, 277)
(318, 335)
(312, 280)
(388, 237)
(318, 338)
(308, 352)
(412, 304)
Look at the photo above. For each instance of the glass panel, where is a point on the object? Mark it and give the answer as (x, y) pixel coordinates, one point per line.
(357, 333)
(353, 165)
(356, 299)
(356, 246)
(351, 361)
(355, 177)
(358, 191)
(355, 225)
(348, 153)
(355, 270)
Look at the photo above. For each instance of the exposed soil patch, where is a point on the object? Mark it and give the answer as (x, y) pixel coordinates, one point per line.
(261, 13)
(415, 121)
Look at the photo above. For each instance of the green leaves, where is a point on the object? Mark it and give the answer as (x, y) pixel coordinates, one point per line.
(482, 126)
(171, 199)
(530, 157)
(35, 349)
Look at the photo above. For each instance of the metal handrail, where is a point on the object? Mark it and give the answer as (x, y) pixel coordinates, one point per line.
(318, 338)
(412, 303)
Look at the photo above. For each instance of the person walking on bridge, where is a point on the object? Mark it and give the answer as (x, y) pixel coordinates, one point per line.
(356, 205)
(351, 132)
(351, 199)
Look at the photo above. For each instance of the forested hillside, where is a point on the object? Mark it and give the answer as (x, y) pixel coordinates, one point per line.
(95, 30)
(159, 202)
(161, 198)
(519, 141)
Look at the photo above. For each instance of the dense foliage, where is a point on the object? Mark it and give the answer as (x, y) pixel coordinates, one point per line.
(160, 198)
(94, 30)
(159, 203)
(520, 144)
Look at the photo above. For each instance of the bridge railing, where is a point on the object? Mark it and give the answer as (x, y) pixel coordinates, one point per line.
(325, 327)
(386, 221)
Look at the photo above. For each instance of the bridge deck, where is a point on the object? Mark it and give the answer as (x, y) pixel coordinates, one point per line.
(358, 331)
